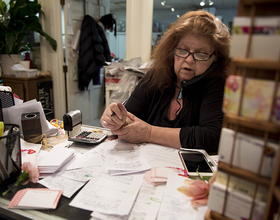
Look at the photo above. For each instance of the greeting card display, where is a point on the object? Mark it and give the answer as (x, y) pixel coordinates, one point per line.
(257, 98)
(232, 94)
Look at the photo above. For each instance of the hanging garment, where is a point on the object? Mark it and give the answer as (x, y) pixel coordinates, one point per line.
(93, 52)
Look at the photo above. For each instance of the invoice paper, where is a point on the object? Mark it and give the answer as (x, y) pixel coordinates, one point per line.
(109, 194)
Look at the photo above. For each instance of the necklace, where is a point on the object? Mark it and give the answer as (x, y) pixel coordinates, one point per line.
(180, 95)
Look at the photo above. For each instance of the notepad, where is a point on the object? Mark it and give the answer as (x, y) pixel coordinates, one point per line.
(37, 198)
(55, 159)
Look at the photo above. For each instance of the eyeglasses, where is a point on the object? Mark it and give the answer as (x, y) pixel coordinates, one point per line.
(196, 55)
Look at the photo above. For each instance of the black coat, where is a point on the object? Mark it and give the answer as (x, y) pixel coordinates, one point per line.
(93, 52)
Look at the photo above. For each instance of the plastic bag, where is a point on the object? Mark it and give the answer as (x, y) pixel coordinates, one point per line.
(124, 87)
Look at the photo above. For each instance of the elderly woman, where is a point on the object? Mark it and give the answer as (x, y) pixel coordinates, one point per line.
(179, 102)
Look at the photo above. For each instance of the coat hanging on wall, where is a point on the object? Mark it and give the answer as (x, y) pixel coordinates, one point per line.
(93, 52)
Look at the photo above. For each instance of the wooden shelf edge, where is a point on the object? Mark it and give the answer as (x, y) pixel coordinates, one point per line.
(252, 123)
(259, 64)
(277, 194)
(210, 215)
(243, 174)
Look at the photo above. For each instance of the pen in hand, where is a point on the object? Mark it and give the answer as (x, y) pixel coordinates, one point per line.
(123, 103)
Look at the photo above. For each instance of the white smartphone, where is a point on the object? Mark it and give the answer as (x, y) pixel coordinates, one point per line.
(197, 160)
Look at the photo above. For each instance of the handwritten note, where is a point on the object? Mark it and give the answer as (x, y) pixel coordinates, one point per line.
(146, 205)
(123, 158)
(68, 186)
(161, 156)
(109, 194)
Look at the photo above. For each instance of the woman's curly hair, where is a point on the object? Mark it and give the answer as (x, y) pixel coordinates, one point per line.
(197, 23)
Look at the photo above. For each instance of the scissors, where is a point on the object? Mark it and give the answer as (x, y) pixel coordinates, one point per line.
(56, 123)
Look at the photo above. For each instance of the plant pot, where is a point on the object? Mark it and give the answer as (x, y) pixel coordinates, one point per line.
(7, 62)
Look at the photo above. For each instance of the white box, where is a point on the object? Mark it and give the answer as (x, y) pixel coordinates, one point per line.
(248, 152)
(238, 205)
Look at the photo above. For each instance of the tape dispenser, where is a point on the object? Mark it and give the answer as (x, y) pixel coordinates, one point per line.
(72, 122)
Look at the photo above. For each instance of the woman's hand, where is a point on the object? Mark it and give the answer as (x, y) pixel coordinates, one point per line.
(117, 120)
(137, 131)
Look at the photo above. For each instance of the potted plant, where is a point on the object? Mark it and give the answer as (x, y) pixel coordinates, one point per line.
(17, 19)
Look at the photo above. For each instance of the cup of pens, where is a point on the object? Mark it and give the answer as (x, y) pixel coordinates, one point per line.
(10, 153)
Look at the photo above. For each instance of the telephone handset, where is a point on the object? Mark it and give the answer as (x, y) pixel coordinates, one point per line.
(215, 63)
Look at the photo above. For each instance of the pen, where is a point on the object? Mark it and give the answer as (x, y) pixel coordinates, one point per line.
(123, 103)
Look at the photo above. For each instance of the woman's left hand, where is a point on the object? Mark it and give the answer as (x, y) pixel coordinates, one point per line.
(137, 131)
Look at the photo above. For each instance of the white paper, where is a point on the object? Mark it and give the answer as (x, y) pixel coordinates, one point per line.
(176, 205)
(122, 158)
(82, 174)
(55, 159)
(13, 114)
(27, 145)
(43, 199)
(161, 156)
(88, 159)
(145, 207)
(18, 67)
(109, 194)
(68, 186)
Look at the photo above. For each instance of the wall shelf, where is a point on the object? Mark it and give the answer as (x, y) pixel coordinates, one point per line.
(243, 174)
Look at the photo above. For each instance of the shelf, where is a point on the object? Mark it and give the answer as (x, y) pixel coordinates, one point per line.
(267, 130)
(277, 194)
(243, 174)
(257, 64)
(260, 7)
(217, 216)
(252, 123)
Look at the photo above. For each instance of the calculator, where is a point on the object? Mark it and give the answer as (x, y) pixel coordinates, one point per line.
(90, 137)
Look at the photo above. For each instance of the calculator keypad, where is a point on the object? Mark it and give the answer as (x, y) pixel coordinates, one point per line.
(89, 137)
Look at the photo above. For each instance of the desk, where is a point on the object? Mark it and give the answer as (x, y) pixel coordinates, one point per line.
(63, 210)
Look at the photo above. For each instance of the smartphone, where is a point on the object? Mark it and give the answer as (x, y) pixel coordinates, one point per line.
(197, 161)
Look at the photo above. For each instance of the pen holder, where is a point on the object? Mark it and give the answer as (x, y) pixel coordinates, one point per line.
(10, 154)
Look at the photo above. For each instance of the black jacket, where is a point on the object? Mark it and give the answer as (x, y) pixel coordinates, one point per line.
(201, 116)
(93, 52)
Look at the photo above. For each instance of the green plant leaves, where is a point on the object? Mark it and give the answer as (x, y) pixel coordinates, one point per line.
(16, 20)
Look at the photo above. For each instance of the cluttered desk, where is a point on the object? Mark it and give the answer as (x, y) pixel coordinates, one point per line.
(109, 179)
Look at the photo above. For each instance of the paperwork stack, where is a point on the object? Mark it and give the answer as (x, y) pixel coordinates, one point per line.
(56, 159)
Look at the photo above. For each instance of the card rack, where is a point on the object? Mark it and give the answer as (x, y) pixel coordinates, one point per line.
(258, 69)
